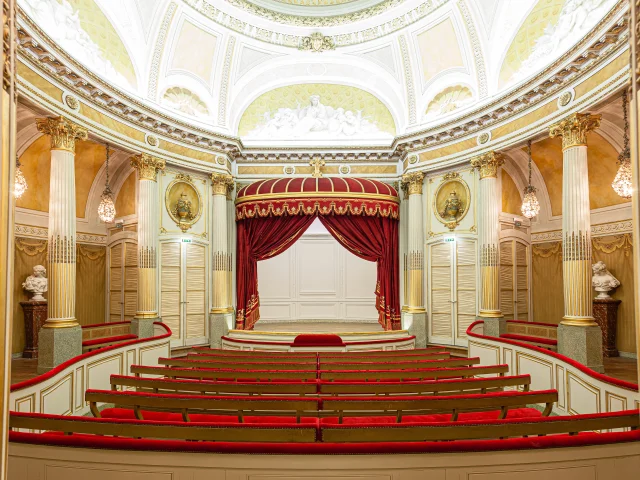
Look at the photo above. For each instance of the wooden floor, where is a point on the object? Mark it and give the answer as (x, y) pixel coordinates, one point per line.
(617, 367)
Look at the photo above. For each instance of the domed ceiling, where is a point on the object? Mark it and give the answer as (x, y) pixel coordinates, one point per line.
(338, 72)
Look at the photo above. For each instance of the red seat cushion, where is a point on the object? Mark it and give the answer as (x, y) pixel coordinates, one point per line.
(127, 414)
(527, 338)
(318, 340)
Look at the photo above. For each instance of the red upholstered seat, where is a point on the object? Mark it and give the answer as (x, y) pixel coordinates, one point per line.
(530, 339)
(318, 340)
(100, 341)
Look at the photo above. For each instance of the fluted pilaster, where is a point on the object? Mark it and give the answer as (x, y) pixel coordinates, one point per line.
(62, 220)
(221, 186)
(489, 205)
(148, 217)
(414, 261)
(576, 218)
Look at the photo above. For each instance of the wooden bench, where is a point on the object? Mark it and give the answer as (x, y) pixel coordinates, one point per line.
(250, 353)
(384, 358)
(419, 374)
(261, 375)
(269, 359)
(386, 353)
(455, 362)
(96, 343)
(236, 406)
(239, 365)
(437, 387)
(428, 405)
(159, 385)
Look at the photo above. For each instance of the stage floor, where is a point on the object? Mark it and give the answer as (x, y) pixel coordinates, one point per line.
(316, 327)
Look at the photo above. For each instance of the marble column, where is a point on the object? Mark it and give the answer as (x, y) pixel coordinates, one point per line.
(221, 316)
(489, 206)
(61, 336)
(414, 317)
(148, 212)
(579, 336)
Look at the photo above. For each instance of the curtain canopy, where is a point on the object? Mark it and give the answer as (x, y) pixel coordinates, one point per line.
(361, 214)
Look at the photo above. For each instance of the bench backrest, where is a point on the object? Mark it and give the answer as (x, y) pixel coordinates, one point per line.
(251, 353)
(390, 353)
(392, 365)
(161, 385)
(480, 385)
(239, 365)
(268, 359)
(201, 374)
(419, 374)
(374, 357)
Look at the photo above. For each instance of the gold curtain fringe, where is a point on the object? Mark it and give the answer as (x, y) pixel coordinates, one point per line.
(91, 253)
(547, 251)
(606, 245)
(30, 246)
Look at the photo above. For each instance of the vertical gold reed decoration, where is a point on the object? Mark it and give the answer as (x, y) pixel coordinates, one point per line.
(489, 203)
(576, 218)
(414, 259)
(147, 167)
(222, 185)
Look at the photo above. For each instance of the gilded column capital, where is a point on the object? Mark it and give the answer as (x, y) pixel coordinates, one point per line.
(63, 133)
(413, 182)
(488, 164)
(222, 183)
(574, 129)
(147, 166)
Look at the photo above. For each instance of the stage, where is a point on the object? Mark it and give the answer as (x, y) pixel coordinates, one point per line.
(317, 327)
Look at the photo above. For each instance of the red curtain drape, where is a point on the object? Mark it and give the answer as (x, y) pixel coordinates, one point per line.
(261, 238)
(374, 239)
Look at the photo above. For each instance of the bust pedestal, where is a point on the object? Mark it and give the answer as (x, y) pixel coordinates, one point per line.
(35, 314)
(605, 313)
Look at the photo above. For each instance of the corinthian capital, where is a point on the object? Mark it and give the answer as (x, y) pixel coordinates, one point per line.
(63, 133)
(222, 183)
(488, 164)
(574, 129)
(413, 182)
(147, 166)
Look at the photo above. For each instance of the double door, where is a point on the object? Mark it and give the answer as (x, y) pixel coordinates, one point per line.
(514, 279)
(183, 291)
(123, 280)
(452, 290)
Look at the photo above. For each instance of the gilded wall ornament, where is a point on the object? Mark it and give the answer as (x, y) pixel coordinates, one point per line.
(72, 102)
(574, 129)
(483, 138)
(222, 184)
(316, 42)
(183, 202)
(488, 164)
(147, 166)
(451, 201)
(317, 165)
(151, 140)
(412, 182)
(63, 133)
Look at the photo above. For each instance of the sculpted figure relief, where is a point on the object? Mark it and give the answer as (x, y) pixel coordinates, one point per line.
(602, 280)
(452, 207)
(315, 121)
(37, 284)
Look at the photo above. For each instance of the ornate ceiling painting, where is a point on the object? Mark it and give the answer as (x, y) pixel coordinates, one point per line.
(317, 111)
(550, 29)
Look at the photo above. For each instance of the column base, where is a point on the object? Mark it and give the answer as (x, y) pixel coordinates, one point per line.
(494, 326)
(143, 326)
(57, 345)
(582, 344)
(219, 326)
(415, 322)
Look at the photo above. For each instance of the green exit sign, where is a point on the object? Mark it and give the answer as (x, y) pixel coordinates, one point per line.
(186, 240)
(449, 238)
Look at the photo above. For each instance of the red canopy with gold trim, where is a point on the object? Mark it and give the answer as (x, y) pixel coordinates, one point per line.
(313, 196)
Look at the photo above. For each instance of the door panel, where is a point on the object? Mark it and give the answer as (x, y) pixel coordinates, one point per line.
(514, 280)
(170, 285)
(441, 308)
(466, 279)
(196, 278)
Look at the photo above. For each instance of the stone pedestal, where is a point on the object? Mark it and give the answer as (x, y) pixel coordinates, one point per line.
(605, 313)
(219, 325)
(143, 327)
(582, 344)
(416, 324)
(57, 345)
(35, 314)
(494, 327)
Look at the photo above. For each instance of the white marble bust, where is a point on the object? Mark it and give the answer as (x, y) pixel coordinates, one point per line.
(37, 284)
(602, 280)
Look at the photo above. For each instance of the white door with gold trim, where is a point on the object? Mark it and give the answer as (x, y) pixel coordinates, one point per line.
(452, 290)
(123, 280)
(514, 279)
(183, 291)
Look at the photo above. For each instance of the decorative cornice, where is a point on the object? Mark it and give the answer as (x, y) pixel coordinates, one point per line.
(574, 129)
(408, 79)
(222, 184)
(63, 133)
(31, 231)
(147, 166)
(413, 182)
(600, 230)
(478, 58)
(224, 82)
(316, 42)
(154, 70)
(488, 164)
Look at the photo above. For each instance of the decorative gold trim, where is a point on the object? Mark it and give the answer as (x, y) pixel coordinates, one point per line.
(184, 223)
(487, 164)
(222, 184)
(60, 324)
(223, 310)
(294, 195)
(574, 129)
(147, 166)
(412, 183)
(447, 180)
(63, 132)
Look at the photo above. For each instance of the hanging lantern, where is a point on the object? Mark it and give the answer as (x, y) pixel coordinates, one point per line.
(20, 183)
(530, 205)
(622, 183)
(107, 207)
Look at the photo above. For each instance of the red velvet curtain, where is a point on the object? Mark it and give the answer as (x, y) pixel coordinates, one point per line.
(261, 238)
(374, 239)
